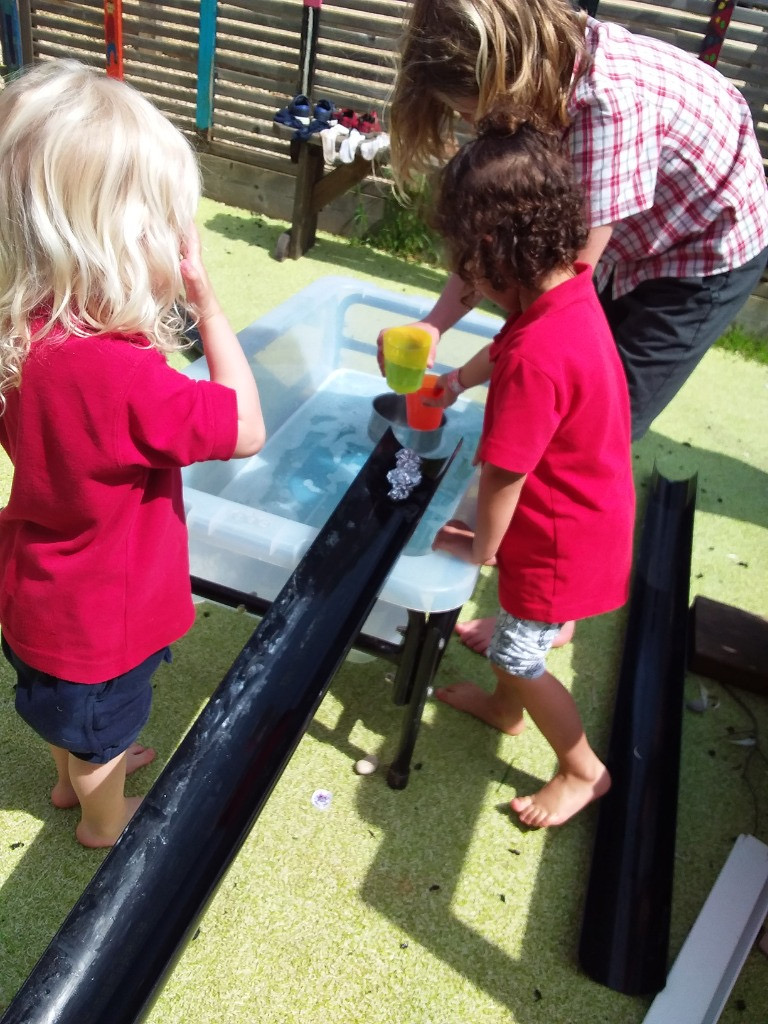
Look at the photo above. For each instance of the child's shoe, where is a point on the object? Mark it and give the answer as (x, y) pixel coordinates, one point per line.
(369, 123)
(348, 118)
(325, 112)
(296, 114)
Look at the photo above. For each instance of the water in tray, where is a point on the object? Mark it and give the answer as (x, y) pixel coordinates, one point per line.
(312, 460)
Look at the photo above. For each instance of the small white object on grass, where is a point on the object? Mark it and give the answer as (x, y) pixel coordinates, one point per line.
(367, 765)
(321, 799)
(704, 702)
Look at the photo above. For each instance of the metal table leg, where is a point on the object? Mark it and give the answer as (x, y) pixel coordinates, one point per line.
(414, 677)
(417, 659)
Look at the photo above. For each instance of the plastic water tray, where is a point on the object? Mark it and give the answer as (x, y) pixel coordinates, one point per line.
(251, 520)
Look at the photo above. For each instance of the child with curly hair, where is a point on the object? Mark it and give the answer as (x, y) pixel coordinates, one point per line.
(98, 249)
(663, 145)
(555, 507)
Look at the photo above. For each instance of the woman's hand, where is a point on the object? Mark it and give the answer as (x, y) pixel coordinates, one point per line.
(433, 332)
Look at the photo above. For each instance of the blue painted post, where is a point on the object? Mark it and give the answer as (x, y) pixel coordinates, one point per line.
(10, 35)
(206, 53)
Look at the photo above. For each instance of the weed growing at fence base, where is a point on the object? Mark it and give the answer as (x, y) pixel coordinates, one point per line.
(403, 229)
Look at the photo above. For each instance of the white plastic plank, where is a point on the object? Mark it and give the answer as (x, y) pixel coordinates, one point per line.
(717, 945)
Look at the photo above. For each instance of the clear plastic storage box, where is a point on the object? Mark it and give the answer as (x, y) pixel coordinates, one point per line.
(314, 357)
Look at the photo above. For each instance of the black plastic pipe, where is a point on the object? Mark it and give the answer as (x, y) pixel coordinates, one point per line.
(625, 929)
(219, 593)
(106, 962)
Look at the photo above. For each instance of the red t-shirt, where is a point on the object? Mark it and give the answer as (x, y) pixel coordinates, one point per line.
(94, 562)
(558, 410)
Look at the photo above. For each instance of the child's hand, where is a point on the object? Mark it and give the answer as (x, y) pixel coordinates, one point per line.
(442, 396)
(200, 295)
(457, 539)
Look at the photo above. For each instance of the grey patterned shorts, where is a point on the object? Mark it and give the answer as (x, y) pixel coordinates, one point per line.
(520, 646)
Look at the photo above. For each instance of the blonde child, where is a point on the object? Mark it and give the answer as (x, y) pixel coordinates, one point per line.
(555, 505)
(98, 192)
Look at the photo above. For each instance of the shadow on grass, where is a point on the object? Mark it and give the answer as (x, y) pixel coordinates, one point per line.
(54, 870)
(462, 776)
(340, 254)
(726, 486)
(427, 830)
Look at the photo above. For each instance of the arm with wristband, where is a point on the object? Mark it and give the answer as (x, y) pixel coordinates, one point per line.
(476, 370)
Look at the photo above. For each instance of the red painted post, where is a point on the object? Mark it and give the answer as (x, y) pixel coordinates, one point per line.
(715, 35)
(113, 37)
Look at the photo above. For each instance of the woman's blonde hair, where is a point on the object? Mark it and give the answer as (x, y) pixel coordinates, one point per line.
(522, 50)
(97, 191)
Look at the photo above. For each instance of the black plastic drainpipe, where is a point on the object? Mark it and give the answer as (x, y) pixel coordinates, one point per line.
(108, 959)
(625, 929)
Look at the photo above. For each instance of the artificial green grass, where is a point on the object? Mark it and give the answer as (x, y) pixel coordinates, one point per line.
(745, 343)
(430, 905)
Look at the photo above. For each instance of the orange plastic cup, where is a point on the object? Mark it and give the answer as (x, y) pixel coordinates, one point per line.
(419, 415)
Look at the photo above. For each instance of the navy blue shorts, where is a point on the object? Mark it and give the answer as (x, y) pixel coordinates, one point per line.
(93, 721)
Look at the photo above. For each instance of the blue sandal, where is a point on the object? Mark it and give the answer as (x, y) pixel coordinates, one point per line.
(325, 112)
(296, 114)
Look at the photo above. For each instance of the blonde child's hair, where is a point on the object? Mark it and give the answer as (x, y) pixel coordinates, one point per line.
(97, 191)
(522, 51)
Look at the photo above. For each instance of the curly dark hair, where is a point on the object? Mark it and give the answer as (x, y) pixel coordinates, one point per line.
(508, 205)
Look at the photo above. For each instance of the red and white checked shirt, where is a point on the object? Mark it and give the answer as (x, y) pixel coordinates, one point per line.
(666, 150)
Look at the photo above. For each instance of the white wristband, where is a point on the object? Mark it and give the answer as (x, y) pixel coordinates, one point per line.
(453, 383)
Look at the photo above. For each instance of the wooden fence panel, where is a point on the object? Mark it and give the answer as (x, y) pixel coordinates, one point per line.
(256, 68)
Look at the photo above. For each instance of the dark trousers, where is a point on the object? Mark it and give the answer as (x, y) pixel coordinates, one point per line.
(663, 328)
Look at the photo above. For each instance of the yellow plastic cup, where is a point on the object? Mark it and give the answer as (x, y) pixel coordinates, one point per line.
(406, 352)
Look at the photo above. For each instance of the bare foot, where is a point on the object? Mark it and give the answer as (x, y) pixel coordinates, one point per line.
(64, 796)
(136, 756)
(562, 797)
(469, 697)
(478, 633)
(96, 840)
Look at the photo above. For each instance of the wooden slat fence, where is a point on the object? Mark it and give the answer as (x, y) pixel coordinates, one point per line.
(744, 54)
(256, 71)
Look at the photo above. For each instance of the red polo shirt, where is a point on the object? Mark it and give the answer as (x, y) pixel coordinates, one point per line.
(558, 410)
(94, 564)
